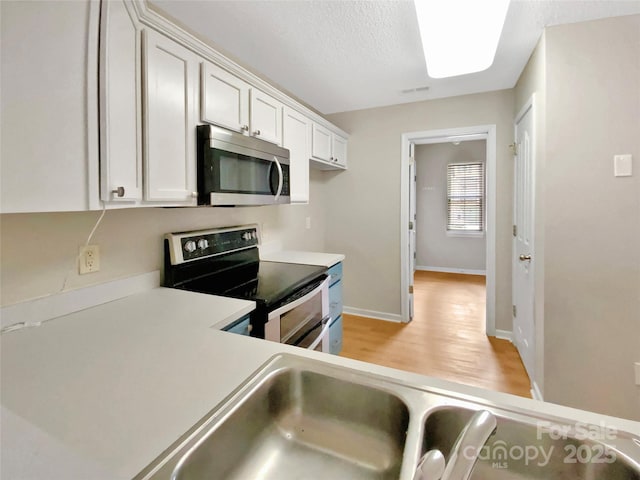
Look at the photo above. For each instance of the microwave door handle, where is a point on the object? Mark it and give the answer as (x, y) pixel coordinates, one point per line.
(280, 177)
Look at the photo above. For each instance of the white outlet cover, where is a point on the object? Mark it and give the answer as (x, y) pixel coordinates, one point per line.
(623, 165)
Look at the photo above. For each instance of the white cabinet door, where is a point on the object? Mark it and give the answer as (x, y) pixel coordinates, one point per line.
(266, 117)
(225, 98)
(321, 143)
(171, 81)
(339, 150)
(296, 137)
(120, 104)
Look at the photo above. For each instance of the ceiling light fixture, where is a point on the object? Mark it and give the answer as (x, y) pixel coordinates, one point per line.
(460, 36)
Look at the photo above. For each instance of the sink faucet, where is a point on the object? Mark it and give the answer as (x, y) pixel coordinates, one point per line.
(464, 453)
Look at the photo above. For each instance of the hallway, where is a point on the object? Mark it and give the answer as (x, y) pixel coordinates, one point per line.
(446, 338)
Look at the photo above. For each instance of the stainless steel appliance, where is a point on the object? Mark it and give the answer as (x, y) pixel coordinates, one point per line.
(292, 300)
(234, 169)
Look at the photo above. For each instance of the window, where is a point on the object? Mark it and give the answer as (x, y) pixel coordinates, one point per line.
(465, 197)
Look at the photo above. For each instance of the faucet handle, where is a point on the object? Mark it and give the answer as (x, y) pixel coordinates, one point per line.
(431, 466)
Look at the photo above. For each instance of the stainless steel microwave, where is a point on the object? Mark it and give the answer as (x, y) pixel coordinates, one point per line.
(235, 169)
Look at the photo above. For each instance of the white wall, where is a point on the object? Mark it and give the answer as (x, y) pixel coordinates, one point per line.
(434, 247)
(39, 249)
(363, 217)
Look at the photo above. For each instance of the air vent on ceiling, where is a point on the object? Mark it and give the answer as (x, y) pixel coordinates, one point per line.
(417, 89)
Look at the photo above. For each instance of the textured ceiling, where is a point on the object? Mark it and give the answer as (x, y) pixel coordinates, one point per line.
(347, 55)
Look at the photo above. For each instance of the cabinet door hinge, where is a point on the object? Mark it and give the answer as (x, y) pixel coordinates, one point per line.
(515, 231)
(410, 225)
(515, 311)
(410, 288)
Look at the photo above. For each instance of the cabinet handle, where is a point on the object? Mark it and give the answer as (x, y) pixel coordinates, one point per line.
(257, 132)
(119, 192)
(244, 127)
(332, 159)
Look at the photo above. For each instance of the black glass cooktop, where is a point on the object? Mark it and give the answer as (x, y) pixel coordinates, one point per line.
(267, 283)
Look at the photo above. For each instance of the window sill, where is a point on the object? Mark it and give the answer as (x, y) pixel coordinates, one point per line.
(461, 233)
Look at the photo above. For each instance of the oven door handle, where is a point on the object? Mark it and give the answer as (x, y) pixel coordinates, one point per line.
(325, 331)
(290, 306)
(280, 177)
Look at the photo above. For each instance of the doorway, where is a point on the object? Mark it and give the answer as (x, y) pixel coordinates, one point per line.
(407, 213)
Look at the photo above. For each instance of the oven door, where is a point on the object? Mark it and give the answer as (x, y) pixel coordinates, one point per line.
(305, 313)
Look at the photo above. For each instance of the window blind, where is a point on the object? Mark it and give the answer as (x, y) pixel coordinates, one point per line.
(465, 197)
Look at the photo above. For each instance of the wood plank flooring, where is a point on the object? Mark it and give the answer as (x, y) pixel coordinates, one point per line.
(446, 338)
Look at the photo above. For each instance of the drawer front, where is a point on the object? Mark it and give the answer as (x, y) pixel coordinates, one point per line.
(336, 273)
(335, 337)
(241, 327)
(335, 300)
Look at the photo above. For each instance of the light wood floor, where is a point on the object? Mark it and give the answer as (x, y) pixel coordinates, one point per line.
(446, 338)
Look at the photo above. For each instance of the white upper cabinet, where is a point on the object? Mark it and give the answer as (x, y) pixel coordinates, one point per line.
(170, 106)
(266, 117)
(120, 104)
(296, 137)
(339, 149)
(232, 103)
(329, 149)
(49, 106)
(225, 98)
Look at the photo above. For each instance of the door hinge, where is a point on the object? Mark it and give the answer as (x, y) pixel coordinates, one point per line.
(410, 225)
(514, 148)
(515, 311)
(515, 231)
(410, 288)
(414, 255)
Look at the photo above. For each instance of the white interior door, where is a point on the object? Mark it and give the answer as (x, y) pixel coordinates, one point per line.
(412, 224)
(523, 260)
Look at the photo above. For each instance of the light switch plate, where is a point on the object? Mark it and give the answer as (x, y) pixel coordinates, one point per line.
(622, 165)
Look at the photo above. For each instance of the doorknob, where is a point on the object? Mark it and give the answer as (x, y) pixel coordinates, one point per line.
(525, 258)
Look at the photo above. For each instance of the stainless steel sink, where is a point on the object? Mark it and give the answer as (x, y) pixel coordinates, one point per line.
(533, 448)
(298, 418)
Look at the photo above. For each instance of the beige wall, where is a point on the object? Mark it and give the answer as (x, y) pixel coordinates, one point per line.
(39, 249)
(363, 204)
(434, 247)
(592, 219)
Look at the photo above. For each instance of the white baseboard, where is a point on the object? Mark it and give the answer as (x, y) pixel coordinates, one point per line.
(361, 312)
(464, 271)
(504, 335)
(535, 392)
(33, 312)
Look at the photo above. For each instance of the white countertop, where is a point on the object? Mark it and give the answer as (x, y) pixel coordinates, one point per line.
(304, 258)
(100, 393)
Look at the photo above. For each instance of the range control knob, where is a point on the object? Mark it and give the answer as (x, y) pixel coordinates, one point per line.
(246, 236)
(203, 244)
(254, 234)
(190, 246)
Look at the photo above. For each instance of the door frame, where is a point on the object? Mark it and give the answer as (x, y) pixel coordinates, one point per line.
(478, 132)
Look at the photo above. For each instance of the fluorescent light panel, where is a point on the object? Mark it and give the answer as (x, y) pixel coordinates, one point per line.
(460, 36)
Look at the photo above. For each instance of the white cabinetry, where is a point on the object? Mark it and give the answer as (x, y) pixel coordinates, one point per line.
(171, 84)
(49, 106)
(225, 98)
(296, 136)
(230, 102)
(328, 149)
(120, 104)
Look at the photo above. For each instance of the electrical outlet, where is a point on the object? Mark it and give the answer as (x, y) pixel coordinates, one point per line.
(89, 259)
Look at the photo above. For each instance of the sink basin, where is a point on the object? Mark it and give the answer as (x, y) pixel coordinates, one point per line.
(299, 418)
(531, 450)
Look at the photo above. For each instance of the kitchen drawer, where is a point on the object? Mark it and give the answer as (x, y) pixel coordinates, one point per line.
(241, 326)
(335, 336)
(335, 300)
(335, 273)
